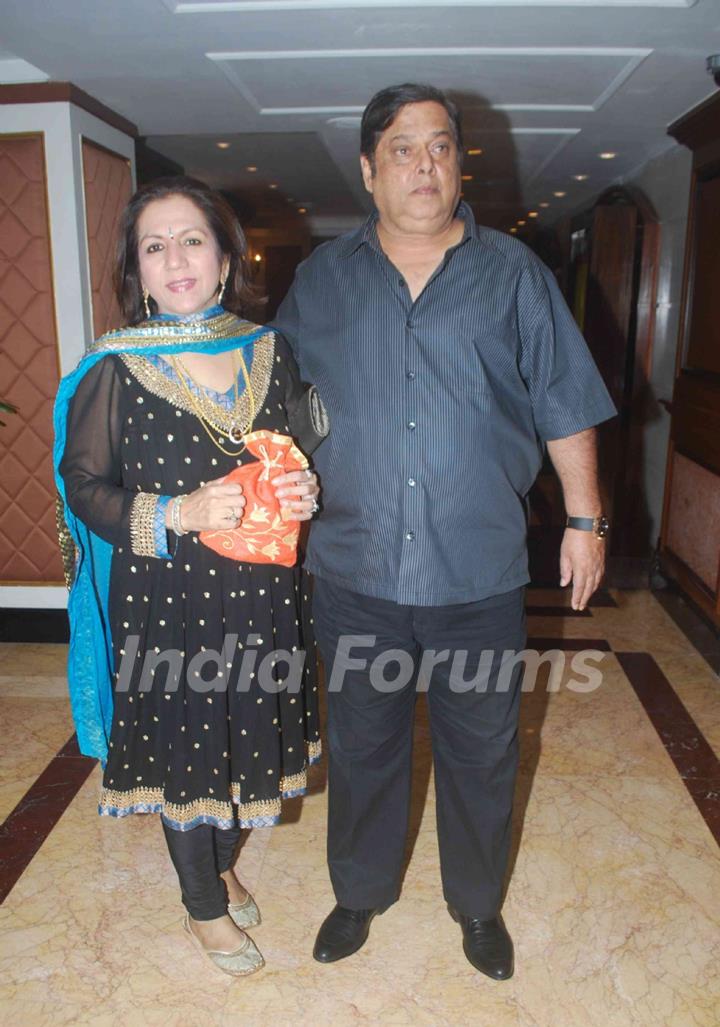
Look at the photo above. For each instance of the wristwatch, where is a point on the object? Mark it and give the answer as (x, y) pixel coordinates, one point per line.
(600, 526)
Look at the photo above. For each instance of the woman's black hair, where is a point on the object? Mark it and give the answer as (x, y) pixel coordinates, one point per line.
(223, 224)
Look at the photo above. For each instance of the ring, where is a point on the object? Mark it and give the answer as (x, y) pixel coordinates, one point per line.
(315, 507)
(308, 473)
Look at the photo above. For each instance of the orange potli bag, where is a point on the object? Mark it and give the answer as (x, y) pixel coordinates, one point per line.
(265, 535)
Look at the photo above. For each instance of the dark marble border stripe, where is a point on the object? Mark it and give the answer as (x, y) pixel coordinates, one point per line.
(569, 644)
(28, 825)
(24, 625)
(684, 742)
(537, 610)
(693, 624)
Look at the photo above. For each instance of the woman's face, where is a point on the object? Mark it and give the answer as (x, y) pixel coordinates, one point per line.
(179, 258)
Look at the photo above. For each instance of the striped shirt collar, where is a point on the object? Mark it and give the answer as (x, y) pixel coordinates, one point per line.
(367, 232)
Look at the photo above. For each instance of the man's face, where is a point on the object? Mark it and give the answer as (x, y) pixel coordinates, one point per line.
(416, 179)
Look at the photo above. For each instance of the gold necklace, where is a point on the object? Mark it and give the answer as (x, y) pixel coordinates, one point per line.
(206, 409)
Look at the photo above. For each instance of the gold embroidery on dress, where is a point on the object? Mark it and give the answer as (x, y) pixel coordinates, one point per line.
(66, 542)
(142, 800)
(260, 809)
(142, 524)
(158, 383)
(294, 782)
(314, 750)
(115, 802)
(160, 333)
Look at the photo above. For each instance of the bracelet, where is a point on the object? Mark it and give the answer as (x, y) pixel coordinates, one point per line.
(175, 515)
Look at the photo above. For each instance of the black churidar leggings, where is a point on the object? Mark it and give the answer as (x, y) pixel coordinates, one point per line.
(200, 856)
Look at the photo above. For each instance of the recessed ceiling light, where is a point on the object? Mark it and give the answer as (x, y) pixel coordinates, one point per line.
(302, 210)
(545, 204)
(474, 153)
(466, 178)
(223, 146)
(607, 155)
(513, 231)
(273, 185)
(257, 258)
(559, 194)
(251, 167)
(533, 214)
(522, 222)
(580, 178)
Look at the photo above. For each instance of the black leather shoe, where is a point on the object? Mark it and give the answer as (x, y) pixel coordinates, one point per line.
(487, 945)
(343, 932)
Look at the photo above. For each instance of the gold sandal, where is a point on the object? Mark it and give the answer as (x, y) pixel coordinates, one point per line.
(244, 914)
(246, 959)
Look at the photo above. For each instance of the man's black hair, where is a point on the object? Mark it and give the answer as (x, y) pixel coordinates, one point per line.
(384, 106)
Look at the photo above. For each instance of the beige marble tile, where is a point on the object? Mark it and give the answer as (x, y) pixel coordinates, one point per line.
(638, 623)
(32, 659)
(32, 731)
(624, 929)
(578, 733)
(612, 901)
(39, 686)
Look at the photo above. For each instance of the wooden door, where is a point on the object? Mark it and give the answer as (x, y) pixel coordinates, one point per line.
(690, 539)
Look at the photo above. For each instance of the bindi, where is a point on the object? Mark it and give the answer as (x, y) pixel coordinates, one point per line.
(170, 233)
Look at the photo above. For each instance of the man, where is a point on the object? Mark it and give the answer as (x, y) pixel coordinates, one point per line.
(445, 356)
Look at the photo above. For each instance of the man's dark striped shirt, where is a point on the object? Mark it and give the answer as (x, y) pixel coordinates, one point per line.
(438, 411)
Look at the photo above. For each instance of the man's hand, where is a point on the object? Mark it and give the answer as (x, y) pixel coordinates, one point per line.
(298, 491)
(582, 562)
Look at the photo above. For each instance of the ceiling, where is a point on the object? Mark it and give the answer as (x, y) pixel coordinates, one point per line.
(545, 86)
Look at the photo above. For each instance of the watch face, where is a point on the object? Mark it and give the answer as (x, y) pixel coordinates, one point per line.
(602, 527)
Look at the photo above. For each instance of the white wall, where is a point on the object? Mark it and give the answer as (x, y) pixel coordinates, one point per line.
(665, 181)
(63, 125)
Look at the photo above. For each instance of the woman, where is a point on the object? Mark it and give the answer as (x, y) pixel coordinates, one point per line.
(147, 428)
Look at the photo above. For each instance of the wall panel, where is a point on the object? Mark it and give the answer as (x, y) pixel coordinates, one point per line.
(107, 183)
(28, 367)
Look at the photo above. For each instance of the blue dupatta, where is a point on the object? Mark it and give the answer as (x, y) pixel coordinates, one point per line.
(90, 657)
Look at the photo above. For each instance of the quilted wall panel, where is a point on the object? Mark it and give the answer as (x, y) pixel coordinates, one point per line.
(108, 186)
(28, 368)
(694, 519)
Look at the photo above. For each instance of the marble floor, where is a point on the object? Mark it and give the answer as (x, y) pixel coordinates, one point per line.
(614, 900)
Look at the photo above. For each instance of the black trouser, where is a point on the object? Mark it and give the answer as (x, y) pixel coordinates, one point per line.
(474, 740)
(200, 856)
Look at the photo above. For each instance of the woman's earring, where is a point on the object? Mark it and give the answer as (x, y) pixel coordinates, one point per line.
(146, 297)
(222, 289)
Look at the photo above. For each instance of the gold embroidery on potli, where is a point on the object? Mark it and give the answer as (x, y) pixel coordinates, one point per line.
(142, 524)
(158, 383)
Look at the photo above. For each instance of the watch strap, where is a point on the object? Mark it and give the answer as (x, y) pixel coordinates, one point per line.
(581, 523)
(598, 525)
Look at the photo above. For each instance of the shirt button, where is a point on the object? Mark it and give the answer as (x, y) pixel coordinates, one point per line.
(411, 483)
(410, 536)
(401, 282)
(410, 375)
(411, 425)
(409, 324)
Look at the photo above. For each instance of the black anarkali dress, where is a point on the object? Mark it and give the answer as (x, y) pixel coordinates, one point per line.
(198, 733)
